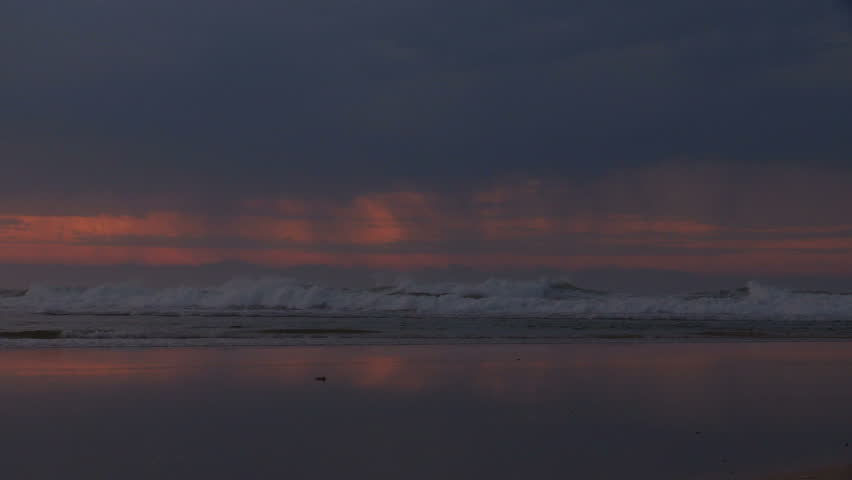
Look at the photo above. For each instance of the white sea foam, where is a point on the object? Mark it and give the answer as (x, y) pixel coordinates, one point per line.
(494, 297)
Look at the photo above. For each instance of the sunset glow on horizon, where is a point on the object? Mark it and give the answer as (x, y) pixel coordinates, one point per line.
(523, 224)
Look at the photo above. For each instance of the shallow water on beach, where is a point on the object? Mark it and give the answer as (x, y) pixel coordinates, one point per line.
(32, 330)
(596, 411)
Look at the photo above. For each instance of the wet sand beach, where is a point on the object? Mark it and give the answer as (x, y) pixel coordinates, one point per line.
(836, 473)
(735, 410)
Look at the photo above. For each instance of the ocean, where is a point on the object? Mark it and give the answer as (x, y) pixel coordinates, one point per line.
(281, 311)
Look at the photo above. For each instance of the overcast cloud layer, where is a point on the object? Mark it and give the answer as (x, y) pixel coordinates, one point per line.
(727, 119)
(264, 94)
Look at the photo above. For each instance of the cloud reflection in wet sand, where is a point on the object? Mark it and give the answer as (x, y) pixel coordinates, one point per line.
(681, 410)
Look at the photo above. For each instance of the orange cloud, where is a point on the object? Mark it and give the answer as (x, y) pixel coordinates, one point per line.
(532, 223)
(824, 244)
(373, 222)
(537, 227)
(267, 228)
(760, 262)
(74, 229)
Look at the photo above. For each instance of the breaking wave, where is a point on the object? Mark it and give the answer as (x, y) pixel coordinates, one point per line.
(494, 297)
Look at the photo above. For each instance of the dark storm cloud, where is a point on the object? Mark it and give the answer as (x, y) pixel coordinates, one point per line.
(163, 96)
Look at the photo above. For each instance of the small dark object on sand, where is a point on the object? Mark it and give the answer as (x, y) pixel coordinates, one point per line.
(320, 379)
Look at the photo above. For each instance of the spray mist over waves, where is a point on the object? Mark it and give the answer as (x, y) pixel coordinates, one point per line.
(495, 297)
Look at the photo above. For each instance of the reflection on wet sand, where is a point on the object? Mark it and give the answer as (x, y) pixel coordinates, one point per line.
(682, 368)
(835, 473)
(664, 411)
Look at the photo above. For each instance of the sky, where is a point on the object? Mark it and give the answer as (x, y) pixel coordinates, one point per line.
(703, 138)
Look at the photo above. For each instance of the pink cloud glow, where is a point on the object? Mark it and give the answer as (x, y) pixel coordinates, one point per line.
(704, 219)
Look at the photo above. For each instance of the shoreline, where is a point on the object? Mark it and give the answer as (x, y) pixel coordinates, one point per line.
(73, 344)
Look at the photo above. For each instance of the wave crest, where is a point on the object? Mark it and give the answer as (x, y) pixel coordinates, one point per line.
(496, 296)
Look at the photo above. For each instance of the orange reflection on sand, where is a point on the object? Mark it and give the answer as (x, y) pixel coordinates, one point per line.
(388, 372)
(105, 366)
(683, 373)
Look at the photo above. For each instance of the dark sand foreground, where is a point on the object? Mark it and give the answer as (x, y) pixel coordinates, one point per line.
(837, 473)
(587, 411)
